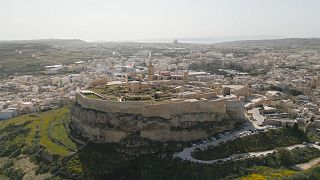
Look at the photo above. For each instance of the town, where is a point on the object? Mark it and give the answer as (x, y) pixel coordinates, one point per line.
(201, 105)
(159, 90)
(283, 84)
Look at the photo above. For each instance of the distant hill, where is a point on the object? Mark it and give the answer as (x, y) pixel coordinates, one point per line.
(54, 42)
(312, 43)
(31, 56)
(291, 43)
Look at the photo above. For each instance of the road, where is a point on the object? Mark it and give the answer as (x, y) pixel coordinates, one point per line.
(186, 154)
(261, 153)
(307, 165)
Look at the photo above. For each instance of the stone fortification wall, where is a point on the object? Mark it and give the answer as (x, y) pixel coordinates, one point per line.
(235, 109)
(98, 126)
(164, 110)
(106, 121)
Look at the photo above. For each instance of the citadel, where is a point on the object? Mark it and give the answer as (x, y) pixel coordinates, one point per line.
(117, 106)
(158, 106)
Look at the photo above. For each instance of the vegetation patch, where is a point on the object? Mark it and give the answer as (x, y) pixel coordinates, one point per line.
(42, 137)
(313, 173)
(93, 96)
(264, 173)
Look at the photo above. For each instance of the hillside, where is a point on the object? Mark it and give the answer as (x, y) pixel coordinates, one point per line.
(31, 57)
(285, 44)
(39, 146)
(55, 42)
(33, 145)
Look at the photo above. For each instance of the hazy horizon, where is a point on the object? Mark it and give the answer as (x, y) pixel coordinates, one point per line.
(155, 20)
(200, 40)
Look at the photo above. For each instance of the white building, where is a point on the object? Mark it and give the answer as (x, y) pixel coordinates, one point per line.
(35, 88)
(65, 80)
(1, 105)
(8, 113)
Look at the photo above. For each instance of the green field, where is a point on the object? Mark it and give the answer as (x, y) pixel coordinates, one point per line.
(93, 96)
(50, 128)
(38, 140)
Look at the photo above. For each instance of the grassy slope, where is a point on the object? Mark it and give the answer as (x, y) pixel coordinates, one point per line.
(48, 123)
(263, 173)
(48, 130)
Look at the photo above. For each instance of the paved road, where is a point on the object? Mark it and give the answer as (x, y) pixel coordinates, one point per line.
(257, 154)
(186, 154)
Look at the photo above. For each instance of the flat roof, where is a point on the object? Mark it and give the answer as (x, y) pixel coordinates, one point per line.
(234, 86)
(114, 83)
(197, 73)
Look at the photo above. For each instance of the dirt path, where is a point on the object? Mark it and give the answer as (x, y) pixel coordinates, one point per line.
(306, 165)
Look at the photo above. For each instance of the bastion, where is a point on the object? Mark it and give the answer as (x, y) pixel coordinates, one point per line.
(111, 121)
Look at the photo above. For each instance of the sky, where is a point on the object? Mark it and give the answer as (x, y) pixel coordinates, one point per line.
(132, 20)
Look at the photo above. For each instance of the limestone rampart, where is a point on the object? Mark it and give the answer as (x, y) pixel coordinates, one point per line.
(109, 121)
(164, 110)
(235, 109)
(102, 127)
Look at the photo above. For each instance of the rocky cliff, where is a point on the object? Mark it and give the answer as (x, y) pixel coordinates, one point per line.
(102, 127)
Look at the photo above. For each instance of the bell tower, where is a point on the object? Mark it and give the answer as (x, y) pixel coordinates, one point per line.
(150, 71)
(186, 77)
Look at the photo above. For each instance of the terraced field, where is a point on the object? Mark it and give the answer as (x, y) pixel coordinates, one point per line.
(40, 140)
(50, 126)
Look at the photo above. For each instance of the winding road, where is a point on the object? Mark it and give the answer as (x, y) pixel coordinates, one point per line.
(186, 154)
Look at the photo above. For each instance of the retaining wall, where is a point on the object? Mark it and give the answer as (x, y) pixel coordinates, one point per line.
(164, 110)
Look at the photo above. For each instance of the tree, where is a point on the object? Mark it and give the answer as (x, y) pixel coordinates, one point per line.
(296, 127)
(285, 156)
